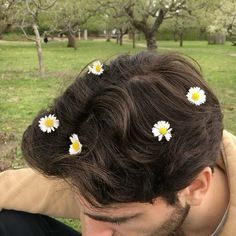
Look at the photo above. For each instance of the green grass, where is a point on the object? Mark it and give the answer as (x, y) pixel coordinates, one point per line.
(23, 93)
(18, 74)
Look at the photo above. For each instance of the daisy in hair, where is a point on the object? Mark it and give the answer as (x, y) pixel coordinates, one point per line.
(76, 146)
(196, 96)
(48, 123)
(96, 68)
(162, 129)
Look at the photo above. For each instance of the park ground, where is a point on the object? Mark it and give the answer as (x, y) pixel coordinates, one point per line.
(23, 93)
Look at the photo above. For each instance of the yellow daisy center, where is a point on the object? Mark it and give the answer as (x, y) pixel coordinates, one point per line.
(49, 123)
(195, 96)
(163, 131)
(97, 68)
(76, 146)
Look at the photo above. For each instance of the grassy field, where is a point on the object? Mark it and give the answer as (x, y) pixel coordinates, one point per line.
(23, 93)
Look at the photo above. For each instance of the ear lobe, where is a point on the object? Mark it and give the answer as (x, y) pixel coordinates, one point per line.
(198, 189)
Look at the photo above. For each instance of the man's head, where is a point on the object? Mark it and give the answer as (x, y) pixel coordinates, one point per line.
(113, 115)
(158, 218)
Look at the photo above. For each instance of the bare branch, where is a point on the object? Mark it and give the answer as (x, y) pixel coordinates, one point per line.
(29, 38)
(11, 3)
(28, 8)
(39, 6)
(36, 4)
(158, 20)
(26, 35)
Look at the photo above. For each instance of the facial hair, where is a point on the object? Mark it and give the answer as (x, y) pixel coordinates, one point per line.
(172, 226)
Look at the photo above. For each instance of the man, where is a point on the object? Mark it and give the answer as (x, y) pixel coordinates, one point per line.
(133, 148)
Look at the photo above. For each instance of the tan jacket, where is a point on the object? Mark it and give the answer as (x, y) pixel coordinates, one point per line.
(27, 190)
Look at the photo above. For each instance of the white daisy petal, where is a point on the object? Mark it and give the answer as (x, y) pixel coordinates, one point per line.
(74, 138)
(201, 92)
(90, 69)
(168, 136)
(72, 150)
(56, 124)
(155, 132)
(155, 126)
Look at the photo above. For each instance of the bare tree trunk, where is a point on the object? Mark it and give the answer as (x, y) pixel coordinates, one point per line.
(181, 39)
(5, 26)
(151, 41)
(121, 37)
(133, 36)
(117, 38)
(71, 40)
(85, 34)
(175, 35)
(108, 35)
(39, 50)
(203, 33)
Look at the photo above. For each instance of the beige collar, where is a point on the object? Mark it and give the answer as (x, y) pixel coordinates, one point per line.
(227, 162)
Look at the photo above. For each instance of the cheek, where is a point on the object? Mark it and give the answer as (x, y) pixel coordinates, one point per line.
(160, 213)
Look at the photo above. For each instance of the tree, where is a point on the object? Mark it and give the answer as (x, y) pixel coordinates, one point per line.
(7, 14)
(69, 16)
(146, 16)
(30, 17)
(115, 21)
(194, 15)
(225, 20)
(109, 25)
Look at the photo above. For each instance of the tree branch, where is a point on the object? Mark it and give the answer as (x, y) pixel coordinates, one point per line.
(29, 38)
(40, 7)
(26, 35)
(28, 8)
(158, 20)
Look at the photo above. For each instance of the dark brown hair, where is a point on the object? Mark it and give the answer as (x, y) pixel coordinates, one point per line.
(113, 115)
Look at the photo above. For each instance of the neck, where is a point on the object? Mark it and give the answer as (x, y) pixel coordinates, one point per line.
(204, 219)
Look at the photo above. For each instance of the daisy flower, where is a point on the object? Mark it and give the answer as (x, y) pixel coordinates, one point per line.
(48, 123)
(76, 146)
(96, 68)
(160, 129)
(196, 96)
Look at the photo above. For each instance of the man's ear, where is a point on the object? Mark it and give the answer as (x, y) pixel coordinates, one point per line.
(197, 190)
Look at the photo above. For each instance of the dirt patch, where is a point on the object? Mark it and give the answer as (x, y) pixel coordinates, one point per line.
(8, 150)
(229, 107)
(232, 54)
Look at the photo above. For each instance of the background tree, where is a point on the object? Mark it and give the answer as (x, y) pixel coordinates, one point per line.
(225, 20)
(8, 9)
(69, 16)
(193, 14)
(146, 16)
(109, 26)
(116, 20)
(30, 17)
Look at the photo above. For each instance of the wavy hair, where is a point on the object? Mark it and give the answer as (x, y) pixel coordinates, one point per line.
(113, 115)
